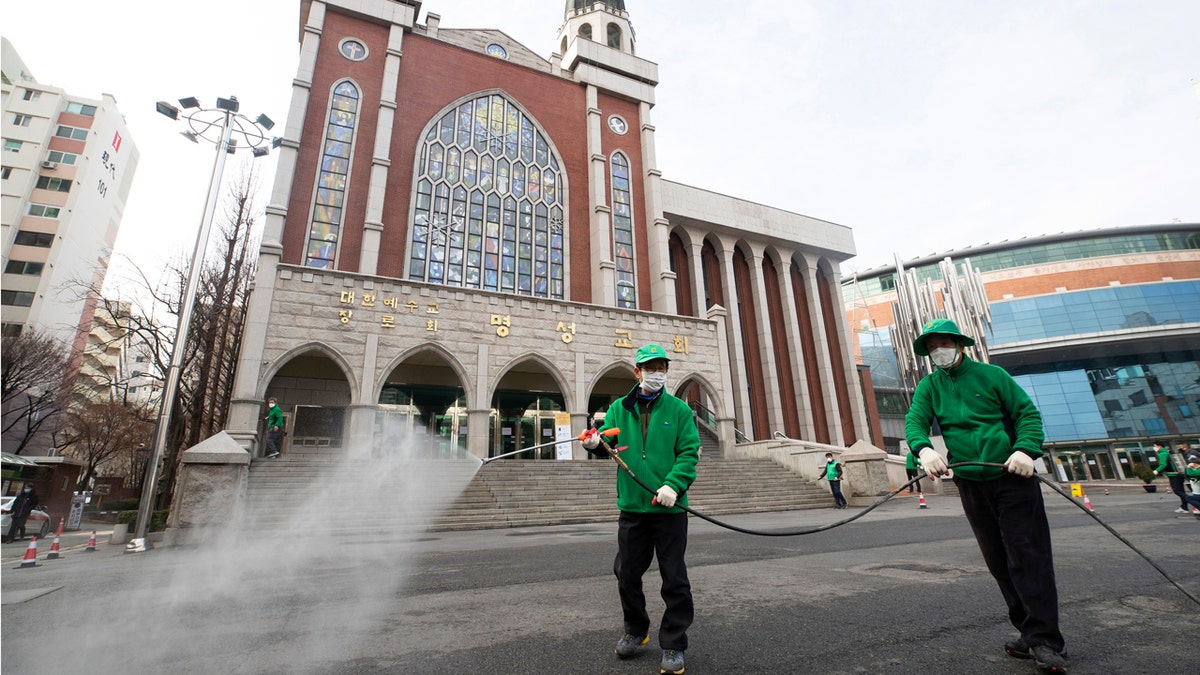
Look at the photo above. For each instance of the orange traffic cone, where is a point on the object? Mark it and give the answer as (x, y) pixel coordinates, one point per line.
(1087, 504)
(91, 547)
(1105, 490)
(53, 554)
(59, 531)
(921, 504)
(30, 555)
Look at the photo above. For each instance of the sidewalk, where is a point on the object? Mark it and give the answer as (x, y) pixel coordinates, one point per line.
(74, 540)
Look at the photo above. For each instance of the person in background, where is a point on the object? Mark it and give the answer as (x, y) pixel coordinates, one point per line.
(21, 507)
(986, 417)
(274, 427)
(912, 468)
(1166, 466)
(833, 474)
(662, 448)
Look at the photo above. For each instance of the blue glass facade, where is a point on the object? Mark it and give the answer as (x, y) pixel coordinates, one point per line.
(1104, 309)
(876, 347)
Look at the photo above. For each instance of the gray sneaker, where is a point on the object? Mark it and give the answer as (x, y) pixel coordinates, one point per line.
(672, 662)
(630, 644)
(1049, 660)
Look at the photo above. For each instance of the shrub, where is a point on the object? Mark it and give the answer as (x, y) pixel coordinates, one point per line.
(158, 519)
(1144, 472)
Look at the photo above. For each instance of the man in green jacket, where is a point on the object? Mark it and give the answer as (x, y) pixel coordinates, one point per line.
(912, 467)
(274, 427)
(661, 446)
(985, 416)
(1167, 467)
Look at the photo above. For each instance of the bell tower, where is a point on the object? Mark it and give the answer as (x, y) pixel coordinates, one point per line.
(604, 22)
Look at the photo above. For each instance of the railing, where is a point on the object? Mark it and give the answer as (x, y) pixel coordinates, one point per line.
(709, 419)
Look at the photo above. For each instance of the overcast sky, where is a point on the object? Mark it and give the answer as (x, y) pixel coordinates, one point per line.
(924, 125)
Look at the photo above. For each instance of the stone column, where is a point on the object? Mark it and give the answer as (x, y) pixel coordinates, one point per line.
(662, 292)
(248, 389)
(368, 262)
(725, 419)
(604, 276)
(821, 347)
(696, 260)
(844, 360)
(804, 402)
(766, 340)
(737, 377)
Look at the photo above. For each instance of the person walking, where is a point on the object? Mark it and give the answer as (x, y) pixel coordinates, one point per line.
(985, 416)
(833, 474)
(912, 468)
(21, 507)
(274, 427)
(662, 447)
(1166, 466)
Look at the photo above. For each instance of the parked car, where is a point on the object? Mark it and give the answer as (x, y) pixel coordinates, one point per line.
(38, 523)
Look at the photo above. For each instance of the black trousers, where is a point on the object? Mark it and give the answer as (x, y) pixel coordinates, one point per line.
(835, 486)
(640, 537)
(1008, 517)
(1177, 487)
(912, 473)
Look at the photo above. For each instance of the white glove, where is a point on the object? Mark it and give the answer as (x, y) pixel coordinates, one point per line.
(666, 496)
(591, 440)
(1020, 464)
(933, 463)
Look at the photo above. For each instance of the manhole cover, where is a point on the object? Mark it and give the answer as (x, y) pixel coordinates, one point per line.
(916, 570)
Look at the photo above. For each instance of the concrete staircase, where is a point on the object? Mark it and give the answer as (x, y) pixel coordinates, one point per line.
(329, 492)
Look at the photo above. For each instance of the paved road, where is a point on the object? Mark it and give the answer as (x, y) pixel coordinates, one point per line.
(902, 590)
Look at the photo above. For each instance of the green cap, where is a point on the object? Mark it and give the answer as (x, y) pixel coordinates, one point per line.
(649, 353)
(939, 327)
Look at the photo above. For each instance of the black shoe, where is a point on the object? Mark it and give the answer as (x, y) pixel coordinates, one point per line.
(1018, 649)
(1049, 660)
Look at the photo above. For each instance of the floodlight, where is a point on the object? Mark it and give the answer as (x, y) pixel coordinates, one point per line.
(191, 136)
(189, 102)
(260, 151)
(276, 142)
(232, 147)
(264, 122)
(167, 109)
(230, 104)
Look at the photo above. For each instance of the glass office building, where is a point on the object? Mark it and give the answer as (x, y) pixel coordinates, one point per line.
(1103, 332)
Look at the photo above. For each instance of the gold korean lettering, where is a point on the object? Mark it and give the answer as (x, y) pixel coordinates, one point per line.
(626, 339)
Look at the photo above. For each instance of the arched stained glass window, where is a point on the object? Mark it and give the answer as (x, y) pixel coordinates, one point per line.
(488, 209)
(622, 214)
(329, 201)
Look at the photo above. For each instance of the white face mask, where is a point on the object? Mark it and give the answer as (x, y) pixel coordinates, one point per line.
(653, 382)
(944, 357)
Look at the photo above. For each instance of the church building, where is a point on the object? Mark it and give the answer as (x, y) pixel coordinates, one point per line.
(467, 241)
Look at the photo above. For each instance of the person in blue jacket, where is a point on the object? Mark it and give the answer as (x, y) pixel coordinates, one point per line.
(661, 447)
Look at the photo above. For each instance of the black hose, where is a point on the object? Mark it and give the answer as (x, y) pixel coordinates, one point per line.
(881, 500)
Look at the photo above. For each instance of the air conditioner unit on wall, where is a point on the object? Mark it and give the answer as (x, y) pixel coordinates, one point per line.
(49, 165)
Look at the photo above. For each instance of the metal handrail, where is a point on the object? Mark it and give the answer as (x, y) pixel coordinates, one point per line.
(710, 418)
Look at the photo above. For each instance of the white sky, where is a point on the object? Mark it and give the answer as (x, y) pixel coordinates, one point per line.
(924, 125)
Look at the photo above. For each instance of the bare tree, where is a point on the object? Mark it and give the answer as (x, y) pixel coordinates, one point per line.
(201, 404)
(104, 433)
(32, 384)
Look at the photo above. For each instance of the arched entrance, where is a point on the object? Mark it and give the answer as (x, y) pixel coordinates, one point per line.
(313, 391)
(422, 403)
(525, 405)
(616, 381)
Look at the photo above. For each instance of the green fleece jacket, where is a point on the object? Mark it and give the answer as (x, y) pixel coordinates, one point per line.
(663, 448)
(1165, 466)
(984, 415)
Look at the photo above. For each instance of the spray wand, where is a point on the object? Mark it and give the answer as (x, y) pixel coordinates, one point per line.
(580, 437)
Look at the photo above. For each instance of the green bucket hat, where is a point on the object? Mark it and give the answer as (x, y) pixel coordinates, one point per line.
(939, 327)
(649, 353)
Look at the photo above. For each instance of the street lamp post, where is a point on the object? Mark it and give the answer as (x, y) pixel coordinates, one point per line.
(223, 126)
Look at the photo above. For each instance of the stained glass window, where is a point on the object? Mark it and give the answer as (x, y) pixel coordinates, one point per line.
(321, 248)
(622, 214)
(488, 212)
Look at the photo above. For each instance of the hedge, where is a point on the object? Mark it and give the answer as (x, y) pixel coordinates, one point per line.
(158, 519)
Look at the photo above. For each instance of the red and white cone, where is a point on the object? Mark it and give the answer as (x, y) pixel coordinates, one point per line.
(1087, 504)
(922, 504)
(59, 531)
(91, 547)
(1105, 490)
(30, 555)
(53, 554)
